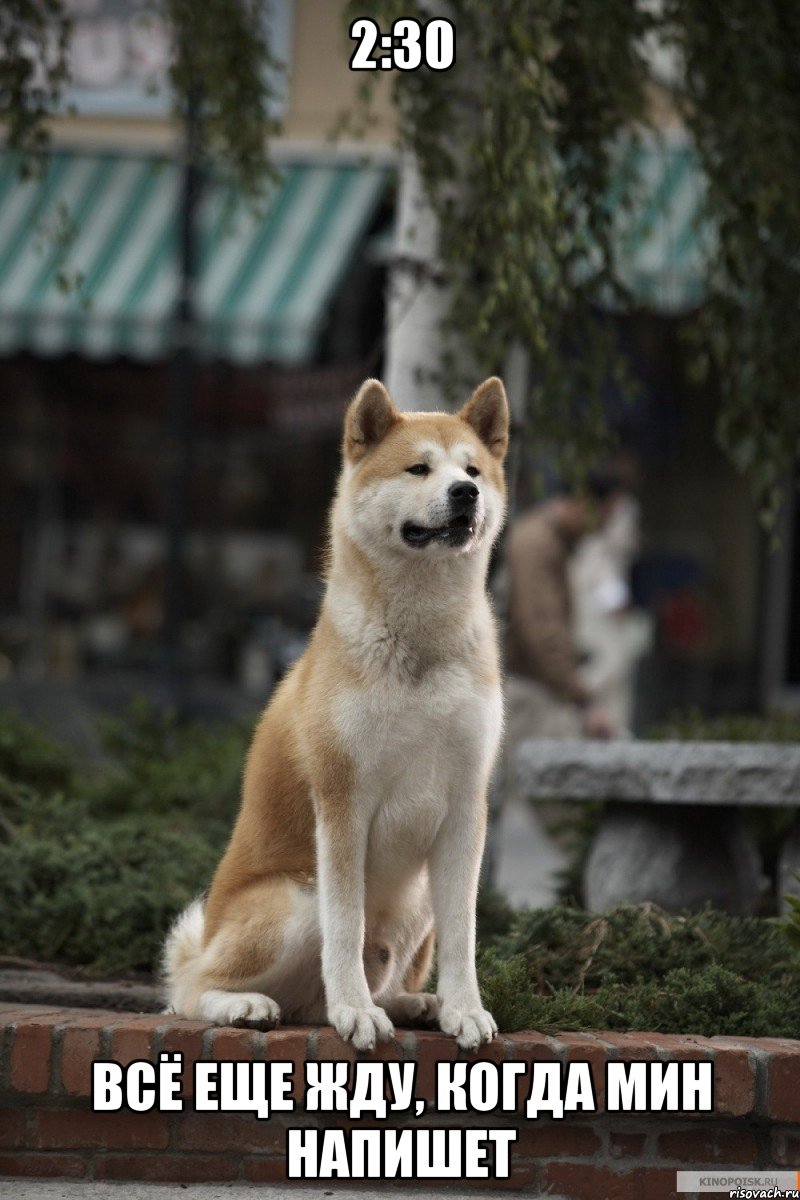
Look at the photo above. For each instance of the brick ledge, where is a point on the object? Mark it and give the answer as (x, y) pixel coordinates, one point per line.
(48, 1129)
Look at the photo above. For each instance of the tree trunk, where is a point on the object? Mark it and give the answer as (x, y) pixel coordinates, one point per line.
(417, 299)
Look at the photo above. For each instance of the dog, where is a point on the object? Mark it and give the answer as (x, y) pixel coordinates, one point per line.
(363, 812)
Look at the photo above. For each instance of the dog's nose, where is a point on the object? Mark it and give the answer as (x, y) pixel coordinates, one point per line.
(462, 494)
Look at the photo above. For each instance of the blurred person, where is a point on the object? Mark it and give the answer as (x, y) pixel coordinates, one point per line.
(611, 634)
(546, 693)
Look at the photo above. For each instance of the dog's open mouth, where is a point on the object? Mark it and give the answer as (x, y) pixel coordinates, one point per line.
(456, 532)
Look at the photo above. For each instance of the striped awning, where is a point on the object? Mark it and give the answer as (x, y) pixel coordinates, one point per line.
(663, 245)
(88, 257)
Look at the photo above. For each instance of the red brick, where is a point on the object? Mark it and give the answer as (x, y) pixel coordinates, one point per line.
(581, 1047)
(581, 1181)
(235, 1132)
(626, 1145)
(769, 1044)
(79, 1048)
(734, 1077)
(577, 1181)
(290, 1045)
(51, 1166)
(758, 1052)
(681, 1046)
(83, 1017)
(785, 1147)
(631, 1047)
(130, 1045)
(391, 1051)
(658, 1183)
(11, 1013)
(556, 1138)
(12, 1128)
(406, 1042)
(734, 1083)
(79, 1016)
(73, 1129)
(32, 1052)
(675, 1047)
(186, 1039)
(289, 1042)
(432, 1048)
(153, 1022)
(265, 1170)
(332, 1048)
(493, 1051)
(149, 1021)
(709, 1147)
(340, 1120)
(135, 1039)
(522, 1174)
(784, 1085)
(166, 1168)
(233, 1045)
(531, 1047)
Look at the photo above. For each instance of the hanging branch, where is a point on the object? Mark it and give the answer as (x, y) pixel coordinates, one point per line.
(227, 42)
(742, 105)
(539, 95)
(514, 146)
(34, 41)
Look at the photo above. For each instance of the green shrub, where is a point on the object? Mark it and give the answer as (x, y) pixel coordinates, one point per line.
(638, 968)
(95, 862)
(792, 924)
(30, 756)
(710, 1002)
(691, 725)
(567, 947)
(100, 894)
(160, 765)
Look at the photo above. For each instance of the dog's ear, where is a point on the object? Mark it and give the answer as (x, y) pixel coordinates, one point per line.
(487, 412)
(369, 418)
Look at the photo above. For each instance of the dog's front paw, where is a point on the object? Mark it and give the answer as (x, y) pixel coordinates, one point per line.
(361, 1026)
(413, 1006)
(469, 1026)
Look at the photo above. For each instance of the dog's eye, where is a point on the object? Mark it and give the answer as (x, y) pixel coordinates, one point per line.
(472, 471)
(419, 469)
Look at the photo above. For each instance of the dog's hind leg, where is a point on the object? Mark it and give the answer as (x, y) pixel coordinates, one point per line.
(251, 1009)
(419, 969)
(261, 959)
(411, 1004)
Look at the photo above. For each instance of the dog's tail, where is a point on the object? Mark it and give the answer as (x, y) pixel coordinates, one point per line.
(182, 950)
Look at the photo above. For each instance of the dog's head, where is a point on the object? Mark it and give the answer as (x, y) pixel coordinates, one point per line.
(424, 484)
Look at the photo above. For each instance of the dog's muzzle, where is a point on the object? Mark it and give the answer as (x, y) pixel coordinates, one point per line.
(462, 499)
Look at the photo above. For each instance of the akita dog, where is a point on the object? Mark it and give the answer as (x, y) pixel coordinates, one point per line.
(363, 814)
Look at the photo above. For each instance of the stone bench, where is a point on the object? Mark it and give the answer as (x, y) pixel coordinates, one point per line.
(672, 832)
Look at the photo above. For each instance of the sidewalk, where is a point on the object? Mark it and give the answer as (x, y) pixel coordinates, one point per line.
(59, 1189)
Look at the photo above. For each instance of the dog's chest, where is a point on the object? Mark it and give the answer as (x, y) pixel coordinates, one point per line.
(416, 750)
(392, 731)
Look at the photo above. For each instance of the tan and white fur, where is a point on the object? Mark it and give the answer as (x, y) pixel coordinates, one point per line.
(363, 813)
